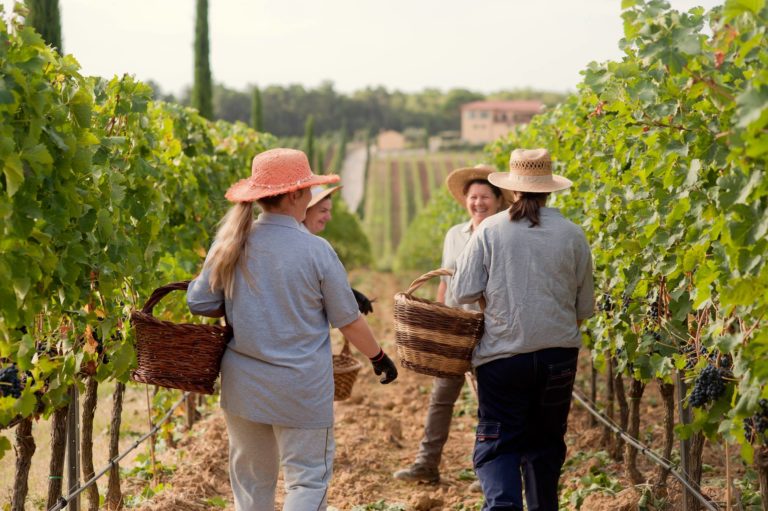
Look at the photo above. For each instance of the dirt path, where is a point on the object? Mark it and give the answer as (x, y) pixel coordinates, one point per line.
(353, 176)
(378, 429)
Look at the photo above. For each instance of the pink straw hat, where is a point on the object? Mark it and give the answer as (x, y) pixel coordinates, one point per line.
(530, 170)
(275, 172)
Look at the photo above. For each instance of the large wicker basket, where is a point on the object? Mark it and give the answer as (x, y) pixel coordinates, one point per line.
(433, 338)
(177, 355)
(345, 369)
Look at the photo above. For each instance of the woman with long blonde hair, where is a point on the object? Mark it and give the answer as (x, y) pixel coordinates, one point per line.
(280, 288)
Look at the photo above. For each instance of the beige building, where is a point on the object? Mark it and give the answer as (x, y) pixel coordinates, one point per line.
(390, 140)
(485, 121)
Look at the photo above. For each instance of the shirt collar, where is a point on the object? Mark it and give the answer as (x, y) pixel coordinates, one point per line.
(467, 227)
(278, 219)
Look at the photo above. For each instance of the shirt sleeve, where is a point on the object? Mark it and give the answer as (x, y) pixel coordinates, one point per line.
(585, 293)
(338, 300)
(469, 282)
(200, 299)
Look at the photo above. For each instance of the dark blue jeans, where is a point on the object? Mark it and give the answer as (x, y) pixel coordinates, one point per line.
(524, 402)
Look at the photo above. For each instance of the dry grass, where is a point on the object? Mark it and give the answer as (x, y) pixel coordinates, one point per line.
(134, 424)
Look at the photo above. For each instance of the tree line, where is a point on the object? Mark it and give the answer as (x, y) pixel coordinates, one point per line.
(285, 108)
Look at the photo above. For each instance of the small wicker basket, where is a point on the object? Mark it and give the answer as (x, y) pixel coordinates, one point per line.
(177, 355)
(433, 338)
(345, 369)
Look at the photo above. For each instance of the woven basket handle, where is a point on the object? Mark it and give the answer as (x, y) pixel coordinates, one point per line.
(416, 284)
(160, 292)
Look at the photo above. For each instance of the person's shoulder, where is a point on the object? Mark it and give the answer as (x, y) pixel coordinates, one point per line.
(458, 228)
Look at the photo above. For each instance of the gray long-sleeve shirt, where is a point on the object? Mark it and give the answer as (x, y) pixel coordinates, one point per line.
(536, 282)
(278, 367)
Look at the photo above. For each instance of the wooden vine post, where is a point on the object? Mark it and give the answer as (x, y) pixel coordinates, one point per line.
(636, 390)
(114, 499)
(25, 448)
(58, 448)
(667, 391)
(73, 447)
(86, 445)
(621, 398)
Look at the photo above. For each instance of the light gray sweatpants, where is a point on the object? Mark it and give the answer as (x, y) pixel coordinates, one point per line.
(256, 453)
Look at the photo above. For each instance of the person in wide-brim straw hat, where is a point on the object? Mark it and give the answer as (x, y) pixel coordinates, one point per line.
(534, 269)
(530, 170)
(280, 288)
(470, 187)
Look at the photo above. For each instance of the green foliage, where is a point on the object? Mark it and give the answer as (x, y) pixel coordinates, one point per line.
(107, 196)
(202, 87)
(257, 113)
(422, 246)
(309, 139)
(45, 17)
(346, 236)
(668, 151)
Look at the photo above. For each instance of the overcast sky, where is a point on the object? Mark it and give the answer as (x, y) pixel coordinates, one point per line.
(482, 45)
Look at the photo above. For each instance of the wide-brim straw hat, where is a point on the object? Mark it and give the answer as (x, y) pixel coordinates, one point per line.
(458, 179)
(275, 172)
(530, 170)
(319, 193)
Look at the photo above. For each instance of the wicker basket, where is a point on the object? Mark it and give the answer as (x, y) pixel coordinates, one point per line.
(345, 369)
(177, 355)
(433, 338)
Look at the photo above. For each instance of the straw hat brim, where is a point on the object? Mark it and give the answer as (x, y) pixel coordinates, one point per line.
(322, 195)
(246, 190)
(457, 179)
(507, 181)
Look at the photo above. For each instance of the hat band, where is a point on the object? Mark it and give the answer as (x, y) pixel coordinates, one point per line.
(531, 179)
(282, 185)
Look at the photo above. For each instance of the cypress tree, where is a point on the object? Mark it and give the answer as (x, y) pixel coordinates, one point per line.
(45, 17)
(309, 138)
(257, 115)
(202, 89)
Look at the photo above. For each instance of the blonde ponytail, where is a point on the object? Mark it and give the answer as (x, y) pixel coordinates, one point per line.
(229, 247)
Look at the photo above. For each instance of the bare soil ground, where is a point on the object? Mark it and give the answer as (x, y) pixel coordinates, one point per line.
(377, 432)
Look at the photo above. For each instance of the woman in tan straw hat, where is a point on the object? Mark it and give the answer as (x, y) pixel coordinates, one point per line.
(470, 187)
(280, 287)
(534, 269)
(318, 214)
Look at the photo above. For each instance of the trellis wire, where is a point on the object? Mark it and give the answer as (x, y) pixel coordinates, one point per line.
(63, 501)
(711, 506)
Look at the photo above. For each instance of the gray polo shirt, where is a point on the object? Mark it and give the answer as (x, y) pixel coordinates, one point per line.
(536, 281)
(278, 367)
(455, 240)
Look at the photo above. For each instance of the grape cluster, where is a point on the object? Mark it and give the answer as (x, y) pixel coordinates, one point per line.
(653, 312)
(606, 304)
(709, 386)
(714, 357)
(755, 427)
(10, 384)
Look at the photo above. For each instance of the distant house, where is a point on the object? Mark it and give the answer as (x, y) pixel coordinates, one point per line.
(485, 121)
(390, 140)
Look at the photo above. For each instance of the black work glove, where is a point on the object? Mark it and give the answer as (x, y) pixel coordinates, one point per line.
(383, 364)
(363, 303)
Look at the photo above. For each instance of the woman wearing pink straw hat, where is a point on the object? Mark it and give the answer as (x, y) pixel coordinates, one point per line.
(280, 287)
(534, 269)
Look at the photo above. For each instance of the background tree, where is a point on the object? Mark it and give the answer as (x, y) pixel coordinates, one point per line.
(257, 115)
(202, 89)
(45, 17)
(309, 138)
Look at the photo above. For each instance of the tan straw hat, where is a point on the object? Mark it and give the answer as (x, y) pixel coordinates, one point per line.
(530, 170)
(458, 179)
(275, 172)
(319, 193)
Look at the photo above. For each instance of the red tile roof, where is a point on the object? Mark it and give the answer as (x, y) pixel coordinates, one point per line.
(528, 106)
